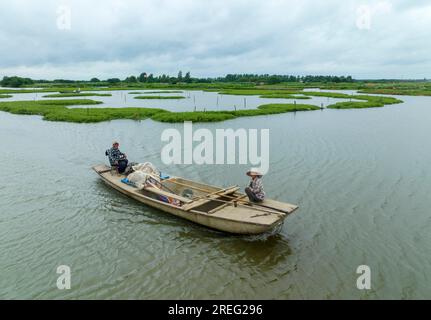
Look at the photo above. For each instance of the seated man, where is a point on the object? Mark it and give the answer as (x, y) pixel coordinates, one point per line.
(117, 158)
(255, 190)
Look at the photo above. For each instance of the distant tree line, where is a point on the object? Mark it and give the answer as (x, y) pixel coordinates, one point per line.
(15, 82)
(145, 77)
(274, 79)
(250, 78)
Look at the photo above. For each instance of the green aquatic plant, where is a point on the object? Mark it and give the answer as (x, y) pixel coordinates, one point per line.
(284, 96)
(268, 94)
(69, 95)
(42, 107)
(371, 102)
(366, 101)
(213, 116)
(199, 116)
(398, 92)
(256, 92)
(57, 110)
(336, 95)
(91, 115)
(268, 109)
(160, 97)
(155, 92)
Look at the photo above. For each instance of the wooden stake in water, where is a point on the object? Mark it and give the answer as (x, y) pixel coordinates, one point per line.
(245, 103)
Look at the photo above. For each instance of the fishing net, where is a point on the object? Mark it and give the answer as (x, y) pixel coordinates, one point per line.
(144, 174)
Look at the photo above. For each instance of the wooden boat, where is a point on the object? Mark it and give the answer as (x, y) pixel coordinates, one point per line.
(223, 209)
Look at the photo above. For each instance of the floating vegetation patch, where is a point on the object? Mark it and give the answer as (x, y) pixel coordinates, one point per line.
(398, 92)
(213, 116)
(57, 110)
(160, 97)
(70, 95)
(155, 92)
(284, 96)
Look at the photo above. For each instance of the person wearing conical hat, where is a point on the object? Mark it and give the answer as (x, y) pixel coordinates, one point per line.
(255, 189)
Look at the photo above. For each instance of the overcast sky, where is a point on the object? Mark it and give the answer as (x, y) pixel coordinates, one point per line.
(112, 38)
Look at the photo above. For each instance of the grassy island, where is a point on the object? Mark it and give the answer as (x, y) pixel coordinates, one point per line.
(160, 97)
(155, 92)
(213, 116)
(70, 95)
(57, 110)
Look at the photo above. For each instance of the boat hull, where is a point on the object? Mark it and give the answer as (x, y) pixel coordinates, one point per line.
(213, 221)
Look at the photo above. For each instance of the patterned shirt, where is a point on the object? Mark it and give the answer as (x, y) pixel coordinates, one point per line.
(115, 155)
(257, 187)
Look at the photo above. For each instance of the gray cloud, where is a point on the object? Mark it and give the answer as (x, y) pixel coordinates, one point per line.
(212, 37)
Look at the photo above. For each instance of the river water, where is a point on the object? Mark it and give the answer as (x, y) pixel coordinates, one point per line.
(361, 179)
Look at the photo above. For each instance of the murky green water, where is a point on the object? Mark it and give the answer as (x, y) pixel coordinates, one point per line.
(361, 177)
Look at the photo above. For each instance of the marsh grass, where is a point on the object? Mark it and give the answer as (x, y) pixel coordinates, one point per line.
(284, 96)
(155, 92)
(399, 92)
(367, 100)
(214, 116)
(256, 92)
(4, 96)
(371, 102)
(69, 95)
(200, 116)
(57, 110)
(160, 97)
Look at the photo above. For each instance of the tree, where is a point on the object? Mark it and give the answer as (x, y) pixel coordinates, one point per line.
(113, 80)
(273, 80)
(188, 78)
(15, 82)
(164, 79)
(180, 76)
(94, 80)
(131, 79)
(143, 77)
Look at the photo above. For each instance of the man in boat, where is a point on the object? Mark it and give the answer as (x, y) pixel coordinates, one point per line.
(117, 158)
(255, 190)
